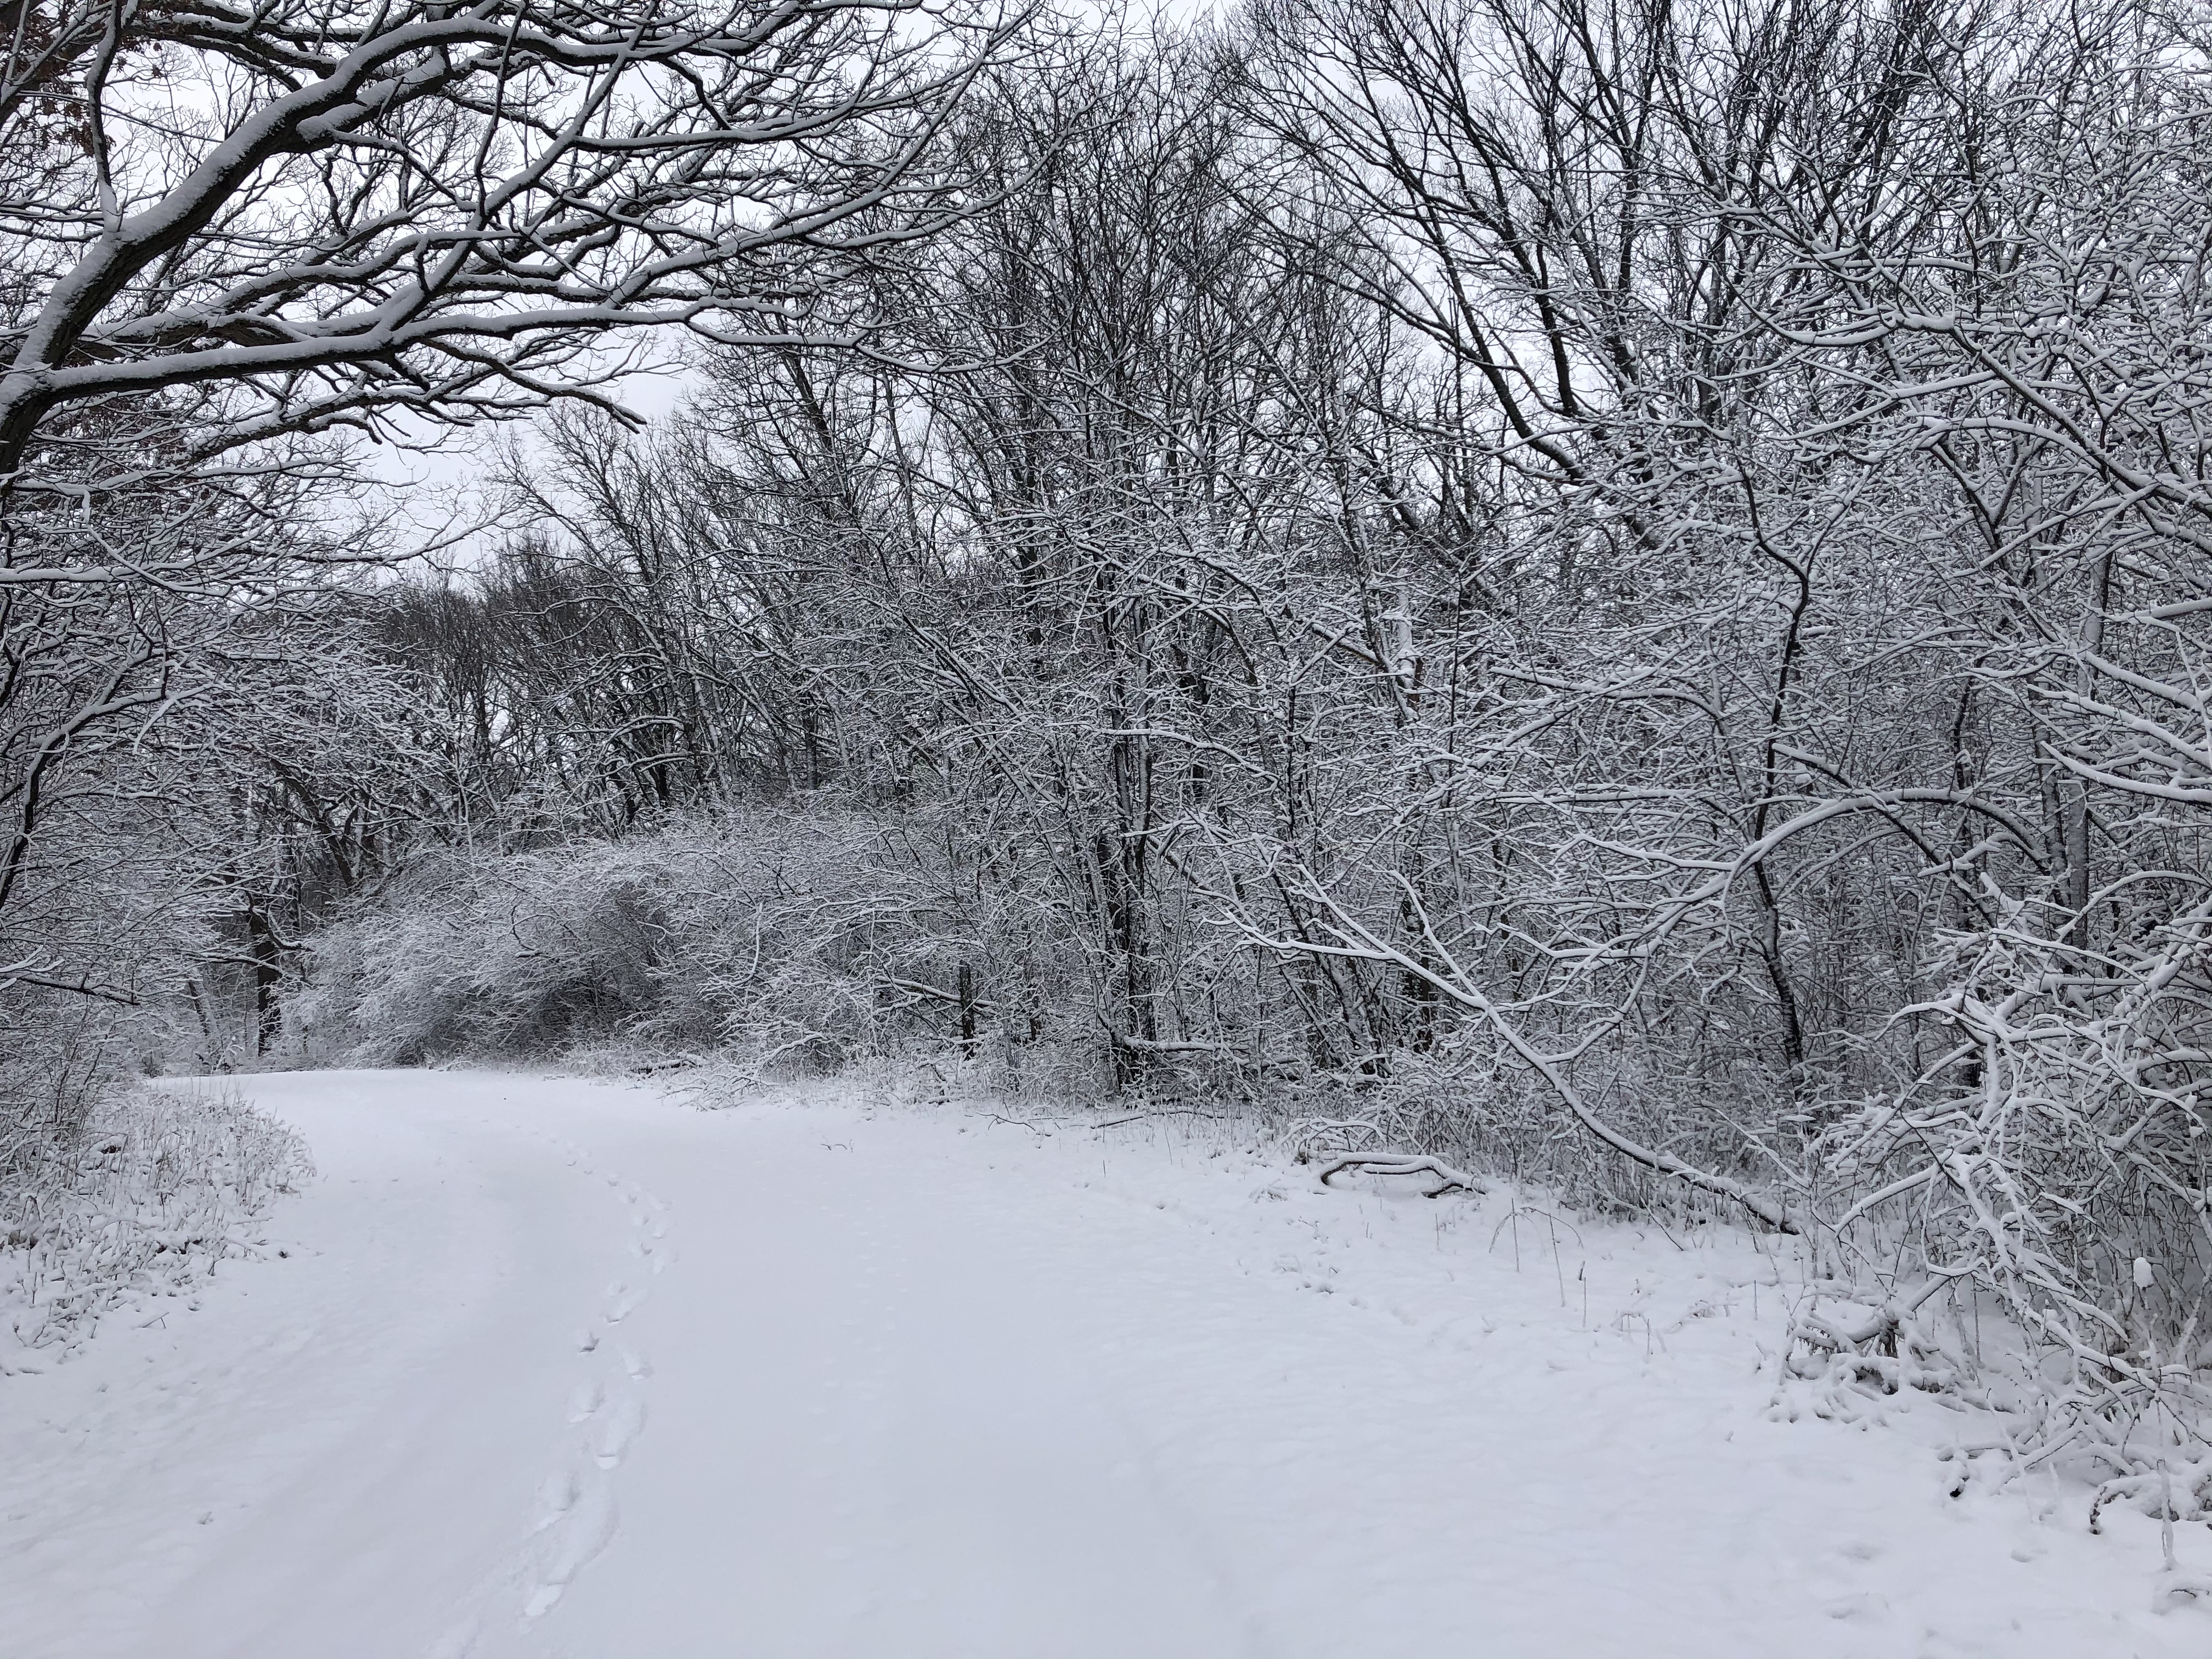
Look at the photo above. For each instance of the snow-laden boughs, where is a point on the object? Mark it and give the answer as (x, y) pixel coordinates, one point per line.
(233, 241)
(1619, 596)
(294, 216)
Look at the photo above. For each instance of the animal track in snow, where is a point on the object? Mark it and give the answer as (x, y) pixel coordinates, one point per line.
(621, 1301)
(623, 1423)
(555, 1497)
(586, 1531)
(574, 1518)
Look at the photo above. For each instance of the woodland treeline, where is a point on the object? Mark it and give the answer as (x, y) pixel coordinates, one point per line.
(1620, 593)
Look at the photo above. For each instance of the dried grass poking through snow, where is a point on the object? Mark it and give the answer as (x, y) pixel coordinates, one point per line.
(158, 1189)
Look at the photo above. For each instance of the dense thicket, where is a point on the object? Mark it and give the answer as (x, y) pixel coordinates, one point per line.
(1617, 590)
(231, 240)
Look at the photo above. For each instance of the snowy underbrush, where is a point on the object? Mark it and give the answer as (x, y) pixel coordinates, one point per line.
(1870, 1347)
(2027, 1258)
(2015, 1231)
(795, 943)
(1548, 1295)
(152, 1192)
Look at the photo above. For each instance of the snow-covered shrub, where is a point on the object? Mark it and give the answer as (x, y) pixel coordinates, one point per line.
(799, 941)
(147, 1194)
(2046, 1171)
(515, 957)
(53, 1063)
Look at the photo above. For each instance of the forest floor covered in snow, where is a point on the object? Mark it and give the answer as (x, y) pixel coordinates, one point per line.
(547, 1366)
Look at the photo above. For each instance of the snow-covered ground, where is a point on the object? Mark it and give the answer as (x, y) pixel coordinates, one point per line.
(559, 1368)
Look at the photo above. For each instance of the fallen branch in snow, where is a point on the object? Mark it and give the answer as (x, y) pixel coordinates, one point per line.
(1402, 1164)
(2169, 1490)
(1161, 1112)
(1847, 1367)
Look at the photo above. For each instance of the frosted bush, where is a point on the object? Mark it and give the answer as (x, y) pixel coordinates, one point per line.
(792, 940)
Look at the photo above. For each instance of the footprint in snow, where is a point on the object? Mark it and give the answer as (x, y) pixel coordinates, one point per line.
(555, 1497)
(586, 1531)
(584, 1401)
(623, 1423)
(1863, 1605)
(621, 1301)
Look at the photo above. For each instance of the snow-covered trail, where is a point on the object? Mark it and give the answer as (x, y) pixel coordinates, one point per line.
(563, 1369)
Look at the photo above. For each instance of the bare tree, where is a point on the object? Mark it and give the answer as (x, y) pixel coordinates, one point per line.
(302, 216)
(1617, 592)
(233, 239)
